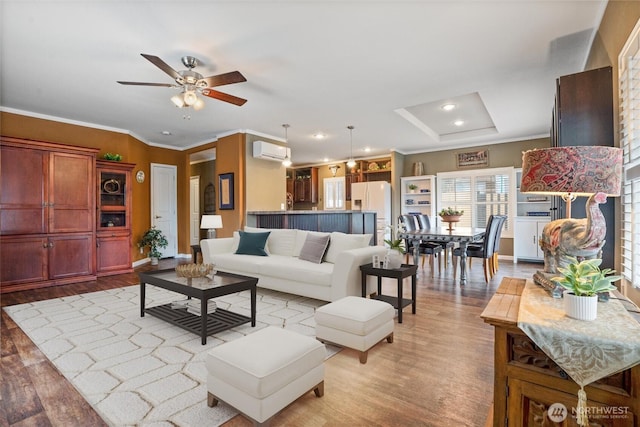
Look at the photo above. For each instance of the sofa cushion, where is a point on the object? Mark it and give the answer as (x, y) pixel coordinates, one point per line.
(314, 248)
(340, 242)
(291, 268)
(252, 243)
(242, 264)
(281, 241)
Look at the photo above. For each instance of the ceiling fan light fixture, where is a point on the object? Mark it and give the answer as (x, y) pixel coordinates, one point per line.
(190, 97)
(178, 100)
(199, 104)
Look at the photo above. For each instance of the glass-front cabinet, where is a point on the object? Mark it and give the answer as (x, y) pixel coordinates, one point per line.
(113, 216)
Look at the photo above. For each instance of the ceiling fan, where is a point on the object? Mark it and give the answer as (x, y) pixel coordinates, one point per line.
(193, 82)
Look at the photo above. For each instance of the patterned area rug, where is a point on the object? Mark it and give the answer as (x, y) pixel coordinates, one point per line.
(142, 370)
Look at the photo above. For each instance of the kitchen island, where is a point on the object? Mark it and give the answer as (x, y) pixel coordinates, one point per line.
(351, 222)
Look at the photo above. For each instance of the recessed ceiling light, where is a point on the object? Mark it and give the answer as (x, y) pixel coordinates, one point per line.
(448, 107)
(166, 132)
(326, 159)
(458, 122)
(319, 135)
(367, 149)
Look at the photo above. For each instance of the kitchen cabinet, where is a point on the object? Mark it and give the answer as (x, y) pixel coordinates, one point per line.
(47, 214)
(305, 186)
(113, 220)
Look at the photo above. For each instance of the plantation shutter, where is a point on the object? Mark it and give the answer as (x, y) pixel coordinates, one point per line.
(629, 66)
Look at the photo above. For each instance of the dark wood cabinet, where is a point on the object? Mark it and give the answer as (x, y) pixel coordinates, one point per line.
(305, 185)
(113, 219)
(527, 382)
(47, 214)
(583, 116)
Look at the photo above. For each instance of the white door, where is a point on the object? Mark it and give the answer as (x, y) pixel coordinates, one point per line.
(194, 211)
(164, 197)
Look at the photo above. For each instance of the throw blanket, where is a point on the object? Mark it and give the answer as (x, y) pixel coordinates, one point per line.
(586, 350)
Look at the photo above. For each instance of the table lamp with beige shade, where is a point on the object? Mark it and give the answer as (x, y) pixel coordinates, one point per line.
(590, 171)
(210, 223)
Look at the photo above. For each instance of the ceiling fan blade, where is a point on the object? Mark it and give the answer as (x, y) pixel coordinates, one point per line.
(162, 65)
(224, 79)
(223, 96)
(146, 84)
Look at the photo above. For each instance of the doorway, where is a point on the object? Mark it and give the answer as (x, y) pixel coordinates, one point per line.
(194, 210)
(164, 199)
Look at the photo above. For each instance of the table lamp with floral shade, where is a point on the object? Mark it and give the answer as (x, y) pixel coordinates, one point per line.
(591, 171)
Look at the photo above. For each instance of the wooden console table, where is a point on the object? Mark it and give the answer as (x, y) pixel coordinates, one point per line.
(527, 382)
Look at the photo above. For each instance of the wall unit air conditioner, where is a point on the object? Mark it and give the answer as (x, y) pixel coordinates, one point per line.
(269, 151)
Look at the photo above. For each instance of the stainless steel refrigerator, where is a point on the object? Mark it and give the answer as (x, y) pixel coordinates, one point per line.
(374, 196)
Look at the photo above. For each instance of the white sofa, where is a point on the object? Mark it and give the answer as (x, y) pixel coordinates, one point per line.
(337, 276)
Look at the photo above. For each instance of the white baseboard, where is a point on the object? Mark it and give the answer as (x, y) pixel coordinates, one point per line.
(140, 262)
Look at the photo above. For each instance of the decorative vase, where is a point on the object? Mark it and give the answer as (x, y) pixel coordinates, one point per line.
(394, 258)
(580, 308)
(450, 219)
(154, 260)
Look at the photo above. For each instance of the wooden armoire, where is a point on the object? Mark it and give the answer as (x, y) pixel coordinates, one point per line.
(47, 214)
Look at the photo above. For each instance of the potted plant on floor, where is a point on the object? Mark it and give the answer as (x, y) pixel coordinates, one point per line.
(154, 239)
(584, 280)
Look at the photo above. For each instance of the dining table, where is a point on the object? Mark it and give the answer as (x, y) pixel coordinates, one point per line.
(461, 235)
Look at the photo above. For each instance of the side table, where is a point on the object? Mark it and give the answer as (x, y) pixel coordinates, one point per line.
(399, 274)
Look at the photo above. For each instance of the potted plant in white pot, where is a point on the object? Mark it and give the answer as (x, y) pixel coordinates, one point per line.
(396, 250)
(583, 281)
(154, 239)
(412, 188)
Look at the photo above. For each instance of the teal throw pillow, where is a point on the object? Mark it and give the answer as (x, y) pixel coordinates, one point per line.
(252, 243)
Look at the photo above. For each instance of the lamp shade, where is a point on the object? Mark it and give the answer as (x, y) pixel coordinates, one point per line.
(579, 171)
(211, 222)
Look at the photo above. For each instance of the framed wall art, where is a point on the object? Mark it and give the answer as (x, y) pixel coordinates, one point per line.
(226, 190)
(473, 159)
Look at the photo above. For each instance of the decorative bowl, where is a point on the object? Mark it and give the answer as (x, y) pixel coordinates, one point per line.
(194, 270)
(450, 219)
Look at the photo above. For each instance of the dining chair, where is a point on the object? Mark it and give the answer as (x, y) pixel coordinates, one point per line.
(496, 248)
(410, 223)
(486, 250)
(425, 222)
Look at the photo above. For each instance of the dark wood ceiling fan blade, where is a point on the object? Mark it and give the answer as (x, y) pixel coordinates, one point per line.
(162, 65)
(223, 96)
(224, 79)
(146, 84)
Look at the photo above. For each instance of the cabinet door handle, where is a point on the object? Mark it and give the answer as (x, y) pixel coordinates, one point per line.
(50, 244)
(97, 244)
(158, 216)
(45, 245)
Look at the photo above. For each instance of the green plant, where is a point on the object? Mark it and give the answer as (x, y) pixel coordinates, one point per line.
(412, 187)
(154, 239)
(111, 156)
(585, 278)
(450, 212)
(393, 243)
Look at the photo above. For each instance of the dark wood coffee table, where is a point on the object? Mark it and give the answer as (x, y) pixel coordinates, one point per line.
(203, 289)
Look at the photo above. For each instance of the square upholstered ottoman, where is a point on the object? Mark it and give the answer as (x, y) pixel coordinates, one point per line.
(265, 371)
(355, 322)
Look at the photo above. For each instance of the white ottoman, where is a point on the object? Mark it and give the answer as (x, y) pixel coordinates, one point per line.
(354, 322)
(263, 372)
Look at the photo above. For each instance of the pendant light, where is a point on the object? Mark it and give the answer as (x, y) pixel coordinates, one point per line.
(287, 159)
(351, 163)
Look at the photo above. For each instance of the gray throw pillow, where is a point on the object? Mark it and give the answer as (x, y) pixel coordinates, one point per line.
(252, 243)
(314, 248)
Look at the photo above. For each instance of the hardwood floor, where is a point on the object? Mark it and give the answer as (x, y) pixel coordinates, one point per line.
(437, 372)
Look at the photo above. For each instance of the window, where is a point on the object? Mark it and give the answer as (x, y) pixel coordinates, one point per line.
(629, 73)
(479, 193)
(334, 195)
